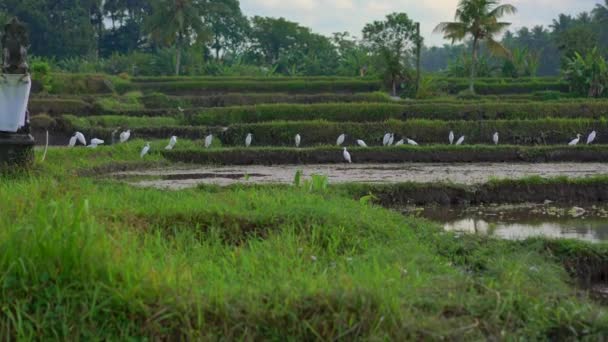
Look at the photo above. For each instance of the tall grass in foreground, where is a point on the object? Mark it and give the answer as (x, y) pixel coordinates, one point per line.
(95, 260)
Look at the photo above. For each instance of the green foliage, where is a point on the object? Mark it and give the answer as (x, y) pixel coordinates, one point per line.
(81, 84)
(115, 121)
(269, 112)
(41, 72)
(479, 19)
(113, 104)
(461, 67)
(393, 40)
(433, 110)
(297, 86)
(158, 100)
(57, 106)
(588, 75)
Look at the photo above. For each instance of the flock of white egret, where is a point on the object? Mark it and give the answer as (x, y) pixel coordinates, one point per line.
(387, 140)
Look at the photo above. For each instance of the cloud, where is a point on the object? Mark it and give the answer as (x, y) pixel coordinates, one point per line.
(328, 16)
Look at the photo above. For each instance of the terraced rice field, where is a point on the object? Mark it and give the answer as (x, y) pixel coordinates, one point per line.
(243, 246)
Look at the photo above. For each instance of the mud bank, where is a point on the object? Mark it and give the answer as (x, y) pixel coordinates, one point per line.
(429, 154)
(560, 191)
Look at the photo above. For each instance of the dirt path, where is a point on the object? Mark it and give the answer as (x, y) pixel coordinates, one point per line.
(174, 178)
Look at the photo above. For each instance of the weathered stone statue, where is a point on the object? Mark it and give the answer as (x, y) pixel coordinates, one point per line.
(16, 144)
(15, 43)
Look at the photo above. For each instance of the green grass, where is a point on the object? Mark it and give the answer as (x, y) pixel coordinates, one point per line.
(116, 121)
(88, 259)
(433, 110)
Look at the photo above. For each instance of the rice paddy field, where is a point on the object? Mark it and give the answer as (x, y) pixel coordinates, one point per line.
(92, 249)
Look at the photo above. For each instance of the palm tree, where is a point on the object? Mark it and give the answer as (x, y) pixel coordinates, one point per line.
(176, 23)
(478, 19)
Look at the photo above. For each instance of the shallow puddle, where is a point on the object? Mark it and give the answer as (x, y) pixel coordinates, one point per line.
(518, 222)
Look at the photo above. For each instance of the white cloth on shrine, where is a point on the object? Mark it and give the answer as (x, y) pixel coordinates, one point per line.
(14, 97)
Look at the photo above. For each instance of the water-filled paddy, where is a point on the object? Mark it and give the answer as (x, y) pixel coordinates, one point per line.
(519, 222)
(179, 178)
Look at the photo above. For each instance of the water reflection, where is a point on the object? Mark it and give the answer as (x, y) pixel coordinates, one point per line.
(523, 221)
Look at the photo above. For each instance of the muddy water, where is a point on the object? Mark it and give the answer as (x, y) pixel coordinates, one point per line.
(588, 223)
(173, 178)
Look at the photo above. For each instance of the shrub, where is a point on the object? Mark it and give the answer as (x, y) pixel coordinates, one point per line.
(588, 75)
(41, 72)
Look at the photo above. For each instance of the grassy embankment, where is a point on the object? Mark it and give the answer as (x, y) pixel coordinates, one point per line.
(93, 259)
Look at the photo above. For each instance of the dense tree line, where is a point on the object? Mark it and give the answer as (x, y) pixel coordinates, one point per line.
(547, 47)
(212, 37)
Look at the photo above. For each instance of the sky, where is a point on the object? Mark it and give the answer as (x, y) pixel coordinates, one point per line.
(328, 16)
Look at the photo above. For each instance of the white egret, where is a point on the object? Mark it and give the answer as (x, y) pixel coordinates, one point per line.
(145, 150)
(412, 142)
(347, 156)
(172, 143)
(451, 137)
(591, 137)
(386, 139)
(361, 143)
(81, 139)
(298, 140)
(575, 141)
(95, 142)
(72, 142)
(400, 142)
(208, 140)
(391, 140)
(248, 140)
(460, 141)
(495, 138)
(124, 136)
(341, 139)
(181, 110)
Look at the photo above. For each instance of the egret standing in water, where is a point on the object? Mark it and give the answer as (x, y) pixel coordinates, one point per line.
(208, 140)
(298, 140)
(347, 156)
(460, 141)
(575, 141)
(172, 143)
(495, 138)
(248, 140)
(591, 137)
(341, 139)
(361, 143)
(124, 136)
(145, 150)
(451, 137)
(412, 142)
